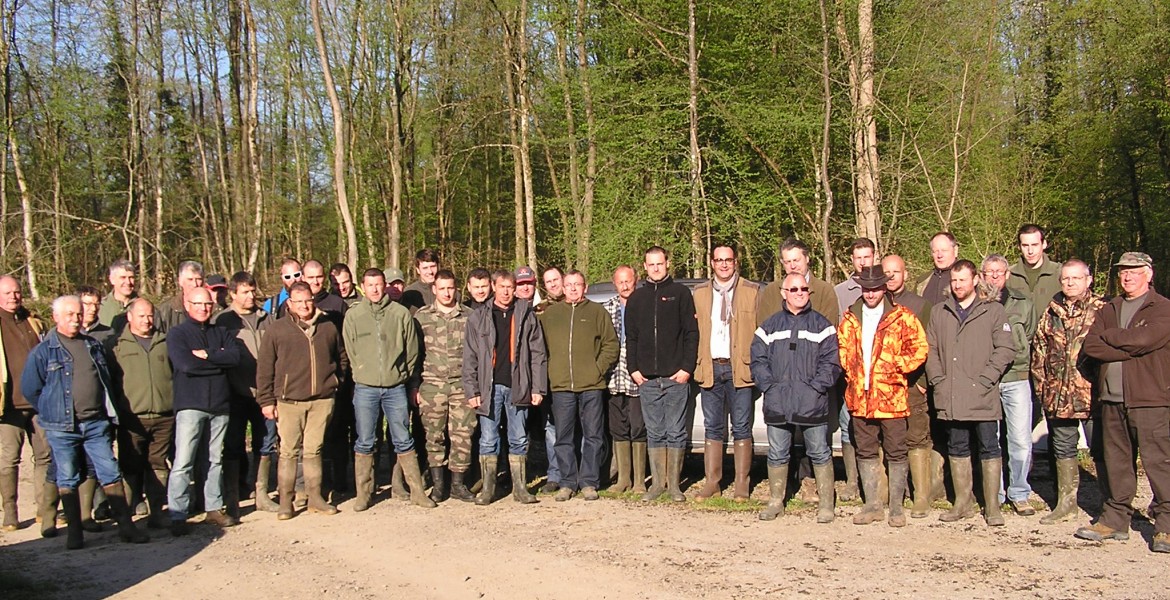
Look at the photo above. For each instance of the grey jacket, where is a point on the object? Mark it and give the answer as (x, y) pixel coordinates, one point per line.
(967, 360)
(529, 368)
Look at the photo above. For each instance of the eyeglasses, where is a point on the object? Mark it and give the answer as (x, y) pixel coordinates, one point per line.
(723, 261)
(794, 290)
(1071, 278)
(991, 273)
(305, 301)
(291, 276)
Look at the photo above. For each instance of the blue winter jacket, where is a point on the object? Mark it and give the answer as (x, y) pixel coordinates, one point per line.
(47, 382)
(795, 364)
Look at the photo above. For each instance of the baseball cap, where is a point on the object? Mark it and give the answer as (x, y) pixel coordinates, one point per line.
(394, 274)
(1135, 259)
(525, 275)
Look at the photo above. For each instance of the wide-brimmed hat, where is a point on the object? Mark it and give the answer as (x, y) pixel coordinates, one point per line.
(1135, 259)
(871, 278)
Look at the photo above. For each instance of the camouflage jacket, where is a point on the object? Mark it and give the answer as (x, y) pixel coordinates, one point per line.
(1063, 390)
(442, 336)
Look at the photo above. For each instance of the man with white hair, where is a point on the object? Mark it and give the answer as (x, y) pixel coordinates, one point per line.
(188, 276)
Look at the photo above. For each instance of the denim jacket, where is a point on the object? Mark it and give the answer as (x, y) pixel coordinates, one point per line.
(47, 382)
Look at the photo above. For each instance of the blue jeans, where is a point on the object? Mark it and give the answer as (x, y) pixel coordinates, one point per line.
(720, 399)
(587, 408)
(93, 439)
(489, 425)
(843, 419)
(816, 443)
(194, 428)
(664, 408)
(550, 442)
(367, 401)
(1016, 397)
(271, 445)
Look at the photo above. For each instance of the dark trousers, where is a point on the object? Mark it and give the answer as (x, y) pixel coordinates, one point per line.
(1125, 430)
(1064, 434)
(892, 434)
(569, 409)
(145, 444)
(244, 412)
(918, 423)
(959, 438)
(625, 418)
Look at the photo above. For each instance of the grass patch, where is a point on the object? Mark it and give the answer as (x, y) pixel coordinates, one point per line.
(721, 504)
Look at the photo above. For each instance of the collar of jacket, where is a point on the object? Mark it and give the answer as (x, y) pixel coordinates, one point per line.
(887, 307)
(807, 308)
(950, 302)
(460, 309)
(379, 305)
(156, 336)
(657, 284)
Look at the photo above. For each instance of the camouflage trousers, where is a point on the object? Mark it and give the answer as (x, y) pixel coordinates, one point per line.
(446, 415)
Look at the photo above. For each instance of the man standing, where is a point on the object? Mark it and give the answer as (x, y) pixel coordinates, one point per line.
(1035, 274)
(935, 285)
(526, 290)
(971, 347)
(439, 395)
(794, 254)
(479, 288)
(526, 285)
(290, 273)
(795, 365)
(1015, 389)
(337, 451)
(1065, 394)
(880, 344)
(189, 276)
(90, 325)
(725, 308)
(201, 355)
(554, 285)
(626, 426)
(67, 382)
(313, 273)
(342, 284)
(663, 338)
(145, 402)
(122, 291)
(1131, 340)
(582, 348)
(396, 286)
(418, 294)
(382, 344)
(20, 332)
(505, 371)
(862, 253)
(300, 365)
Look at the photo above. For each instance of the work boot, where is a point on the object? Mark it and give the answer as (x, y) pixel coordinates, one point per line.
(920, 476)
(398, 489)
(48, 508)
(826, 503)
(459, 489)
(777, 485)
(674, 464)
(1160, 543)
(263, 500)
(123, 516)
(657, 474)
(589, 493)
(938, 483)
(8, 478)
(133, 486)
(1068, 480)
(712, 469)
(221, 518)
(487, 466)
(898, 472)
(85, 493)
(363, 474)
(563, 494)
(869, 470)
(314, 473)
(286, 483)
(231, 489)
(849, 457)
(520, 480)
(1100, 532)
(621, 457)
(71, 505)
(41, 486)
(964, 507)
(992, 479)
(743, 469)
(156, 497)
(638, 460)
(410, 470)
(438, 484)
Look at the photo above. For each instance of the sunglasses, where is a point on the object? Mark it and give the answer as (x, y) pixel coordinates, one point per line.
(793, 290)
(291, 276)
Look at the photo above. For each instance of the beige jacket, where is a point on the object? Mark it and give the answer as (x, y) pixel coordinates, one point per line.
(744, 302)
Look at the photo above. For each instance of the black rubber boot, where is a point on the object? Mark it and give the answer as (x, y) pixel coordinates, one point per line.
(74, 534)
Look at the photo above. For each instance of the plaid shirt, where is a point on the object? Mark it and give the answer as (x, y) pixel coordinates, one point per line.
(619, 380)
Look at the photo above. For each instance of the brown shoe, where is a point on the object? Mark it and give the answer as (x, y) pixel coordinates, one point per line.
(220, 517)
(1099, 532)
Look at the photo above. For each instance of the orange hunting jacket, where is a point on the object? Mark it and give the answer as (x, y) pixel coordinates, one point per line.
(899, 347)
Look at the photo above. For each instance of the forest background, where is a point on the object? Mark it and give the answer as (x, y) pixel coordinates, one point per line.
(574, 132)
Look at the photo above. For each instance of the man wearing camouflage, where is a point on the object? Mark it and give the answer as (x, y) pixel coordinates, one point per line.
(438, 391)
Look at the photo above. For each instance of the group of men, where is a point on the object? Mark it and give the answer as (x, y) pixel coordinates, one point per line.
(314, 370)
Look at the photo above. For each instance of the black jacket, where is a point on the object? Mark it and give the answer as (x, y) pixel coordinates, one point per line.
(662, 334)
(203, 384)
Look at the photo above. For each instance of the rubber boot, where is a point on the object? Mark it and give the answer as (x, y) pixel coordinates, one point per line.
(410, 471)
(712, 469)
(898, 472)
(71, 505)
(123, 515)
(849, 457)
(743, 469)
(919, 459)
(133, 484)
(363, 474)
(8, 479)
(992, 479)
(657, 474)
(520, 480)
(85, 493)
(263, 500)
(47, 510)
(398, 489)
(314, 473)
(41, 487)
(964, 506)
(638, 460)
(156, 497)
(883, 492)
(438, 484)
(286, 483)
(231, 488)
(938, 483)
(674, 464)
(459, 489)
(870, 481)
(777, 485)
(1068, 480)
(621, 457)
(826, 500)
(487, 494)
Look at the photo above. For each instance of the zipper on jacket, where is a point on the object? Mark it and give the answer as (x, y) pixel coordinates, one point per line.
(656, 349)
(312, 366)
(572, 319)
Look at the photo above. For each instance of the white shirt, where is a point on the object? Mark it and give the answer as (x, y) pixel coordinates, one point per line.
(720, 331)
(870, 318)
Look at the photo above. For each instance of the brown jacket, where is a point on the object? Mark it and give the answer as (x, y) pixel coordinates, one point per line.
(298, 364)
(967, 360)
(744, 301)
(1144, 347)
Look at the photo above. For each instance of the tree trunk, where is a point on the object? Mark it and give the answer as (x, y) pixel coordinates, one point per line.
(585, 226)
(868, 167)
(698, 255)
